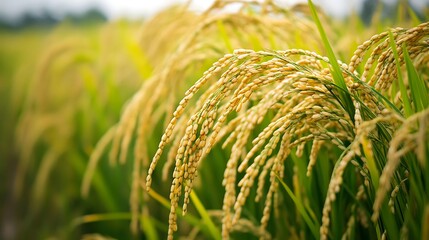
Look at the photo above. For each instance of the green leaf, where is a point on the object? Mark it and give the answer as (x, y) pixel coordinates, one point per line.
(224, 35)
(407, 106)
(149, 228)
(303, 210)
(414, 18)
(215, 233)
(336, 71)
(419, 91)
(425, 230)
(89, 218)
(194, 221)
(371, 162)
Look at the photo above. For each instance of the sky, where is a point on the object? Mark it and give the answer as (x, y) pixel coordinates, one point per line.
(12, 9)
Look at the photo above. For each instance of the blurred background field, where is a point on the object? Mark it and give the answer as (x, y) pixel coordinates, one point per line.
(85, 97)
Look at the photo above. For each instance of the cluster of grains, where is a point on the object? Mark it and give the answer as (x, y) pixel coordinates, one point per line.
(193, 49)
(164, 84)
(411, 136)
(361, 140)
(272, 28)
(380, 69)
(295, 87)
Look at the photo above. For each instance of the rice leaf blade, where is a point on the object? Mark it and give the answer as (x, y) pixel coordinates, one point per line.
(335, 70)
(304, 211)
(419, 92)
(206, 218)
(406, 101)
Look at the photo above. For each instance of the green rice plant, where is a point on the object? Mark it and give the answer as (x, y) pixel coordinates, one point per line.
(330, 115)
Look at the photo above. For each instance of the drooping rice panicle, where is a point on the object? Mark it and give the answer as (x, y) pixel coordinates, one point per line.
(300, 117)
(406, 139)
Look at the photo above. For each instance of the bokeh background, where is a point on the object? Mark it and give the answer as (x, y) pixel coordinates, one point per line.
(15, 10)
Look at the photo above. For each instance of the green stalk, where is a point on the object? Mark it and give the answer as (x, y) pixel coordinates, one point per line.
(304, 211)
(194, 221)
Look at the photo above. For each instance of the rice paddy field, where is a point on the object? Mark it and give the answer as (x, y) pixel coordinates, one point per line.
(245, 121)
